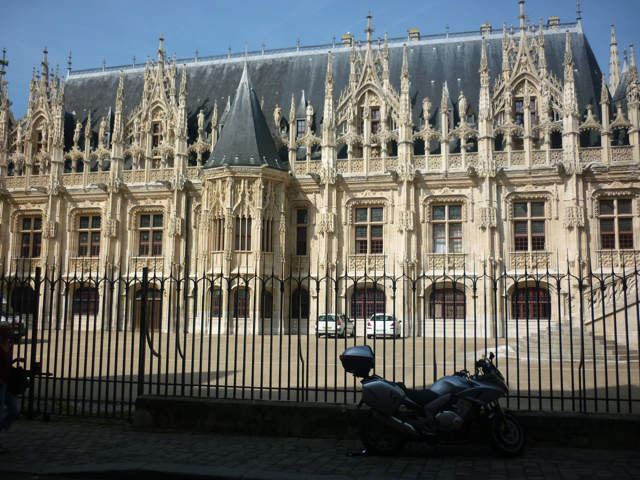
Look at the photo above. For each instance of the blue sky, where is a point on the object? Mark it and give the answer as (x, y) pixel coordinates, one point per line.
(116, 30)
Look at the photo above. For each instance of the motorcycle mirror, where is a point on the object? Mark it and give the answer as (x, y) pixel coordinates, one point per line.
(491, 356)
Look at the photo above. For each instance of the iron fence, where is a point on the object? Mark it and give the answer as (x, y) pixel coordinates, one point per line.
(94, 342)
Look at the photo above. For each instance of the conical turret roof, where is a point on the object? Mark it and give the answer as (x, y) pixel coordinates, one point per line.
(245, 139)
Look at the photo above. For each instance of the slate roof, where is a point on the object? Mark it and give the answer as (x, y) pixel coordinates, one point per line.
(275, 77)
(245, 138)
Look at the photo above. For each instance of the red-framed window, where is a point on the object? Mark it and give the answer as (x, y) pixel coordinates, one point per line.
(531, 303)
(216, 303)
(301, 231)
(85, 301)
(267, 235)
(218, 234)
(616, 224)
(241, 303)
(243, 234)
(31, 233)
(89, 236)
(447, 303)
(367, 301)
(529, 226)
(369, 230)
(375, 121)
(301, 126)
(447, 228)
(156, 134)
(151, 231)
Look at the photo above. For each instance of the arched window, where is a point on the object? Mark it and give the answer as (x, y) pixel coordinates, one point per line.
(154, 309)
(85, 301)
(300, 304)
(241, 299)
(367, 301)
(447, 303)
(531, 303)
(23, 300)
(216, 303)
(267, 304)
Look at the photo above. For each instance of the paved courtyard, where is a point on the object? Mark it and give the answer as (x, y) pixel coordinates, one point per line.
(91, 448)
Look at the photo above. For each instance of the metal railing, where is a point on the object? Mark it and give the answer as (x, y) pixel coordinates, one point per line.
(310, 48)
(94, 342)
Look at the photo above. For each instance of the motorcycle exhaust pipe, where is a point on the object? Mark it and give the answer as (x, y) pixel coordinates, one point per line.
(396, 424)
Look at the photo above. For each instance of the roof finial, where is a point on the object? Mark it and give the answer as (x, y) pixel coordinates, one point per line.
(369, 30)
(522, 16)
(3, 63)
(579, 12)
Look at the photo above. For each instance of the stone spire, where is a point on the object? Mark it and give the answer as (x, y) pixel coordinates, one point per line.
(404, 75)
(614, 63)
(570, 101)
(604, 93)
(45, 68)
(328, 82)
(568, 60)
(485, 92)
(118, 123)
(633, 89)
(505, 51)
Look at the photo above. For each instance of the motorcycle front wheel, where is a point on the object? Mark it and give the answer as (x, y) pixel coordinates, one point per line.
(506, 436)
(379, 438)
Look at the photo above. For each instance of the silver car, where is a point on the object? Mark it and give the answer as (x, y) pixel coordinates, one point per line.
(334, 324)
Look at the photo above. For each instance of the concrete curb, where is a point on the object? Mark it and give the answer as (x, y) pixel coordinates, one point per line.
(143, 471)
(314, 420)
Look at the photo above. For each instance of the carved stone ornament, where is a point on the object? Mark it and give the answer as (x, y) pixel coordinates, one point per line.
(328, 175)
(404, 221)
(616, 191)
(406, 171)
(486, 165)
(573, 217)
(431, 200)
(326, 223)
(512, 197)
(175, 227)
(488, 217)
(49, 229)
(109, 227)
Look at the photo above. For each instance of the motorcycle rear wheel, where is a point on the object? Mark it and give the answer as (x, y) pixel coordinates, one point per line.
(506, 437)
(379, 438)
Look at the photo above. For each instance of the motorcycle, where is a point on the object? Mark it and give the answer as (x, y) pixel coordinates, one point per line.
(447, 412)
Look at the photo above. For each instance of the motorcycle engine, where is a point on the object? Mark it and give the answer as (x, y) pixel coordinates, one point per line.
(448, 421)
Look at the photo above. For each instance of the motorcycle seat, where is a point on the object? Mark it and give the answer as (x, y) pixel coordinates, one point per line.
(421, 397)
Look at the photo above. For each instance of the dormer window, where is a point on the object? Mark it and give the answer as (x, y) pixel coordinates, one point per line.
(375, 120)
(284, 127)
(520, 113)
(301, 128)
(40, 142)
(156, 132)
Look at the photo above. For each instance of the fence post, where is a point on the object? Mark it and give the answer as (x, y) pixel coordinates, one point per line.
(143, 331)
(34, 368)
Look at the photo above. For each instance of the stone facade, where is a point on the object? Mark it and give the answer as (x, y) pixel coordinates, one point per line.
(384, 184)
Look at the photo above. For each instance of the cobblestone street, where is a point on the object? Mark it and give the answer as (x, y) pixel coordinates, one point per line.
(107, 448)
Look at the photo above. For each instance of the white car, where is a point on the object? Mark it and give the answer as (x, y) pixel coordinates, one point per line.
(334, 324)
(383, 325)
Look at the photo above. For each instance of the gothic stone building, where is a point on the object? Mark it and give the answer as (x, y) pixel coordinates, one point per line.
(460, 153)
